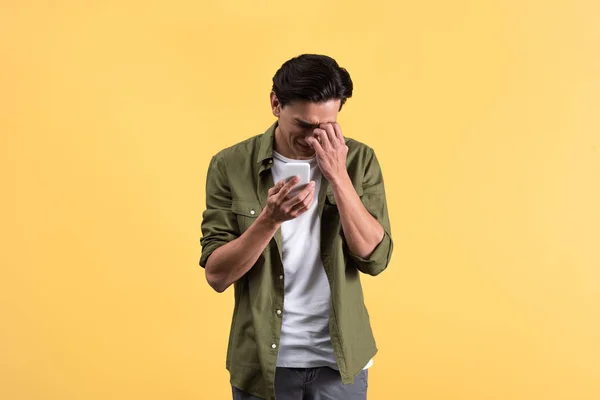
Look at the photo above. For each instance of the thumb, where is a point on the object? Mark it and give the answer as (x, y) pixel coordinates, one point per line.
(278, 186)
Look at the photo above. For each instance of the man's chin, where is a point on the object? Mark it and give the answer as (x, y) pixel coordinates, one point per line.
(305, 149)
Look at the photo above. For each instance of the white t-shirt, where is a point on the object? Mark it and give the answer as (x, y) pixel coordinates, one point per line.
(305, 340)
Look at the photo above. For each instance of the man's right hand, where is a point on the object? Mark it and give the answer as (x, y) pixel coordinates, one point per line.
(231, 261)
(281, 208)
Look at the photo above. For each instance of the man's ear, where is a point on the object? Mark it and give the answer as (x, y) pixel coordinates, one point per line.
(275, 105)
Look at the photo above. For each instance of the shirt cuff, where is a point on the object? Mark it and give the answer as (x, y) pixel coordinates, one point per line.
(377, 262)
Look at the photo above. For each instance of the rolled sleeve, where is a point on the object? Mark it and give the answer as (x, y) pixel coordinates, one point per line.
(374, 200)
(378, 260)
(219, 224)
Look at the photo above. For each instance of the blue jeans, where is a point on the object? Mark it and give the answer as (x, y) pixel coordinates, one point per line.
(322, 383)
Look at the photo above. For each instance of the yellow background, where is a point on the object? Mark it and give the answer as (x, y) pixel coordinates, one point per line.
(485, 118)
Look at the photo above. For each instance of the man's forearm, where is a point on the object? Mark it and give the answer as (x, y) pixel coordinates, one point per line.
(362, 232)
(231, 261)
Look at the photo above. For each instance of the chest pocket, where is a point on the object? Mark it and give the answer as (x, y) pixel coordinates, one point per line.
(331, 211)
(245, 212)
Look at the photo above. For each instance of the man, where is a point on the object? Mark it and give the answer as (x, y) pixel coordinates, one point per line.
(300, 328)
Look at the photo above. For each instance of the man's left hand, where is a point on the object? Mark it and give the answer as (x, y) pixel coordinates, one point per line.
(331, 151)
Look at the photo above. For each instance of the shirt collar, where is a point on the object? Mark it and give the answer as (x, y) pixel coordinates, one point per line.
(265, 151)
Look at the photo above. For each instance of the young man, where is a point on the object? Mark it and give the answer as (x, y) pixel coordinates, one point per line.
(300, 328)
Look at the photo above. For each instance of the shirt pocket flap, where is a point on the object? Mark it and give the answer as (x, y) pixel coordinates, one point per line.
(246, 208)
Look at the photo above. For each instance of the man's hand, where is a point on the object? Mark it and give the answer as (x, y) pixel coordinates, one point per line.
(331, 151)
(281, 208)
(361, 230)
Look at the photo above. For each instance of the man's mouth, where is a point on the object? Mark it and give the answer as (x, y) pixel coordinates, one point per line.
(304, 145)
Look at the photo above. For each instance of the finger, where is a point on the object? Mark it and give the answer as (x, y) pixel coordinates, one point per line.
(302, 195)
(338, 133)
(315, 145)
(303, 206)
(283, 192)
(321, 135)
(275, 189)
(331, 135)
(324, 139)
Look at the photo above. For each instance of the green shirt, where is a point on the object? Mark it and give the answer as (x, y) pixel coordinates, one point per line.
(237, 183)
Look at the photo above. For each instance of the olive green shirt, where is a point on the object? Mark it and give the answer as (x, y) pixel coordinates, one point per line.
(237, 183)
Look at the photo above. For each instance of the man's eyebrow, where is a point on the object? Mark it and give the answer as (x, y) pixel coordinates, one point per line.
(306, 124)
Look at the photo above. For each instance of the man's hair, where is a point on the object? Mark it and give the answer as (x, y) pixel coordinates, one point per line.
(312, 77)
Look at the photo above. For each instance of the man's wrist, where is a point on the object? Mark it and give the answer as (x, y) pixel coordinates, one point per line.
(267, 221)
(340, 182)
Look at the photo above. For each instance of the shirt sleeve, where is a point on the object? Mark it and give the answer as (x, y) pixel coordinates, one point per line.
(374, 200)
(219, 223)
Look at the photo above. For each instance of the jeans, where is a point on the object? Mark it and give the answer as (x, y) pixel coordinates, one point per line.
(322, 383)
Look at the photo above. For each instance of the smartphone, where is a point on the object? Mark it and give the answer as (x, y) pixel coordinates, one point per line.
(300, 169)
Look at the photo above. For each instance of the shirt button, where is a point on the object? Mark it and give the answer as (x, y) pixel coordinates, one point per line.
(280, 276)
(270, 161)
(252, 212)
(273, 346)
(278, 312)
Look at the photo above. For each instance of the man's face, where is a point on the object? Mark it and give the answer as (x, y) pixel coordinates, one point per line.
(297, 121)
